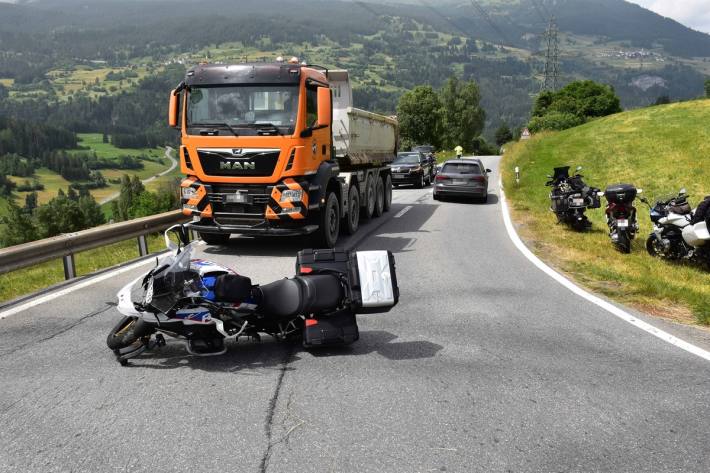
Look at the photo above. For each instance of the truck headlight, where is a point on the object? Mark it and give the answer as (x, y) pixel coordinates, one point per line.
(188, 193)
(291, 195)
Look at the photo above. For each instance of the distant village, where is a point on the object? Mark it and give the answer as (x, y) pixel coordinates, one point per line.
(631, 55)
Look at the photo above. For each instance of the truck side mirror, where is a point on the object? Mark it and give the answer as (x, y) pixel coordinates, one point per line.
(325, 107)
(173, 108)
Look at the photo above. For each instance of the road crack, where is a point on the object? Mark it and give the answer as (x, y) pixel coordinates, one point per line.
(79, 321)
(271, 412)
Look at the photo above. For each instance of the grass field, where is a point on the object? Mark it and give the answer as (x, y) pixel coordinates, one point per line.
(94, 141)
(29, 280)
(659, 149)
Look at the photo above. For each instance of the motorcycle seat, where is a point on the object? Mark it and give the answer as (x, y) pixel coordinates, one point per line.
(301, 295)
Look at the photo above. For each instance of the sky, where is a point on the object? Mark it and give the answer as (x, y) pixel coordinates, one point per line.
(692, 13)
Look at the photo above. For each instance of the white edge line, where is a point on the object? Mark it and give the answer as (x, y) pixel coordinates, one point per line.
(70, 289)
(403, 211)
(614, 310)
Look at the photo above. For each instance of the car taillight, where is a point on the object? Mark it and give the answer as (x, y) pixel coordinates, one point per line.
(478, 178)
(439, 177)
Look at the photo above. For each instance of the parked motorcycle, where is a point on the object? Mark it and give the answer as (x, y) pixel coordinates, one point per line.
(571, 197)
(205, 303)
(676, 234)
(621, 214)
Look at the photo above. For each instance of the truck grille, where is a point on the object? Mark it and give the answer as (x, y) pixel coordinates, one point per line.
(257, 197)
(238, 161)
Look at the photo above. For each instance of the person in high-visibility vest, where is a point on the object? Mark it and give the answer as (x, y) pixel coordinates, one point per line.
(459, 151)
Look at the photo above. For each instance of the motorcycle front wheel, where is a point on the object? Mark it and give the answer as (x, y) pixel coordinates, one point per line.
(651, 246)
(128, 331)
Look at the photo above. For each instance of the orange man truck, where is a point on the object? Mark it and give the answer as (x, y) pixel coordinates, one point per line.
(278, 149)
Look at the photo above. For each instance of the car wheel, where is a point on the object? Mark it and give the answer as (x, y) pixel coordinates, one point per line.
(420, 184)
(484, 199)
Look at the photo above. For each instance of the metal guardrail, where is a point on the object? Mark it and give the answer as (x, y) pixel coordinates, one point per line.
(66, 245)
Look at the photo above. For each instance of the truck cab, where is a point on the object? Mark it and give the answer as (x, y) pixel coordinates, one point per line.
(257, 149)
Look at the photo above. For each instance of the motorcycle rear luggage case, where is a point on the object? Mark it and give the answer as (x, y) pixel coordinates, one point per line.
(337, 329)
(371, 275)
(620, 193)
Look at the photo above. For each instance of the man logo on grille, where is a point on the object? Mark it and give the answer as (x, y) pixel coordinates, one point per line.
(237, 152)
(236, 165)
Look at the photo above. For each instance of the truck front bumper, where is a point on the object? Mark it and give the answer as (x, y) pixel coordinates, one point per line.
(212, 226)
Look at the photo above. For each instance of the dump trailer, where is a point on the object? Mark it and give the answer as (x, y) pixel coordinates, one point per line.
(278, 149)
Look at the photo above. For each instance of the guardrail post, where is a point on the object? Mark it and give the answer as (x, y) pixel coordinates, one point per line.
(69, 266)
(517, 175)
(142, 245)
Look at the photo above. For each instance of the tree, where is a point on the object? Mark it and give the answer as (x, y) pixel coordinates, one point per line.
(59, 215)
(503, 135)
(662, 100)
(19, 228)
(419, 116)
(463, 117)
(30, 203)
(91, 211)
(573, 105)
(707, 88)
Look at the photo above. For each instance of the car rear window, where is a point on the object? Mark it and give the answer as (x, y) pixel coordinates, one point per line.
(461, 168)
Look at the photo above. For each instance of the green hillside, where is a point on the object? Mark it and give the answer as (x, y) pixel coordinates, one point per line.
(659, 149)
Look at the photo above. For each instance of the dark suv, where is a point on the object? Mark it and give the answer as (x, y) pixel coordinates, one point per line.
(411, 167)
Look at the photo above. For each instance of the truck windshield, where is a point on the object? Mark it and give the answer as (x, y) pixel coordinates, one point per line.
(249, 107)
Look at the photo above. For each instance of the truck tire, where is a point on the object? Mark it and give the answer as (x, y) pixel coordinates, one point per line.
(215, 238)
(369, 204)
(329, 225)
(388, 192)
(352, 219)
(379, 198)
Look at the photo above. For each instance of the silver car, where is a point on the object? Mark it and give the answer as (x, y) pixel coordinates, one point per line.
(462, 178)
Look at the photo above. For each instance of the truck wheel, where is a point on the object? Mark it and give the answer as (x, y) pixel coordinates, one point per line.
(329, 229)
(215, 238)
(352, 219)
(379, 198)
(369, 204)
(388, 193)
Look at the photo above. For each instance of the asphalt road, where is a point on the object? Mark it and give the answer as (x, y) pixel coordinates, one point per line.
(485, 365)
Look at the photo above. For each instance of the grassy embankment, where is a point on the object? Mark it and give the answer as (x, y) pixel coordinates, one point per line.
(659, 149)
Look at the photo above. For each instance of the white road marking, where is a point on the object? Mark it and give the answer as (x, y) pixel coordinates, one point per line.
(403, 211)
(611, 308)
(63, 292)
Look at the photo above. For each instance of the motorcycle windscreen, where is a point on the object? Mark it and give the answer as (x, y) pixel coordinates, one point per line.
(378, 279)
(174, 283)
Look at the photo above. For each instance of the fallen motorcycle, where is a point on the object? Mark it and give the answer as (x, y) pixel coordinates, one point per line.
(205, 303)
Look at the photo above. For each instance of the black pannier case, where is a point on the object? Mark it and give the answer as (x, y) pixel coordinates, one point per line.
(380, 274)
(620, 193)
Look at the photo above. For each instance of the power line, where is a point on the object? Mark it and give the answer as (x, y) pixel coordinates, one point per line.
(552, 57)
(484, 14)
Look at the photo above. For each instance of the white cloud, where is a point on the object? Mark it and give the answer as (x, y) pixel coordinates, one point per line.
(692, 13)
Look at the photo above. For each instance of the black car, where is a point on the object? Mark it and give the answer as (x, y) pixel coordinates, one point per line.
(462, 178)
(412, 167)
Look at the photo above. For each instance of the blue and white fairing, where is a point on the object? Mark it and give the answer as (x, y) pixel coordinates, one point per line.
(190, 278)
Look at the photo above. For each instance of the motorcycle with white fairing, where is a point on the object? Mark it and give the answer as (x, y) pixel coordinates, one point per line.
(204, 303)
